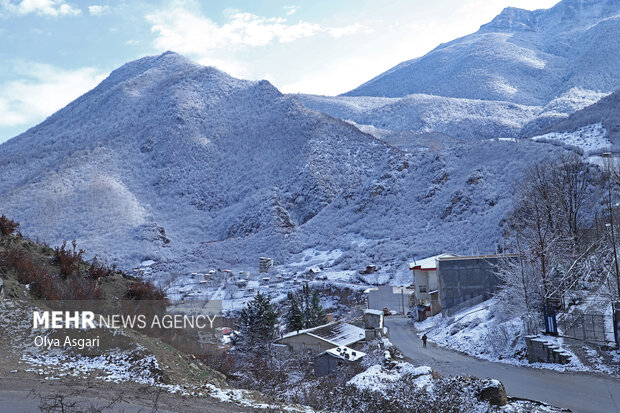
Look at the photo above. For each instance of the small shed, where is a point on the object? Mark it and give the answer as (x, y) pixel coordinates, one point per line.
(330, 360)
(373, 318)
(312, 272)
(373, 324)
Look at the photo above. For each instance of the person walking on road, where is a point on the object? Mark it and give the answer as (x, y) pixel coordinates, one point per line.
(424, 338)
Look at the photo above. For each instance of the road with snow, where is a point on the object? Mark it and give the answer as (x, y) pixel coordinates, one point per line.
(580, 392)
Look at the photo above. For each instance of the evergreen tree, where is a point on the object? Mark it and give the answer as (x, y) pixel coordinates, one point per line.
(305, 310)
(295, 316)
(317, 314)
(305, 297)
(257, 324)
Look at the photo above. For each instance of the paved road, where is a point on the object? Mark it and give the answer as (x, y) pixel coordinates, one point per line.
(582, 393)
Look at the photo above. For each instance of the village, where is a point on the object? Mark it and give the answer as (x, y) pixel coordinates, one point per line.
(440, 288)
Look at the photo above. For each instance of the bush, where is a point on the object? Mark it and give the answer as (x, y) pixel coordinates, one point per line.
(141, 290)
(30, 273)
(7, 227)
(97, 270)
(68, 260)
(46, 286)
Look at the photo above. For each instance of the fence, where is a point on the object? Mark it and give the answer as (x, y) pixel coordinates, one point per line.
(587, 327)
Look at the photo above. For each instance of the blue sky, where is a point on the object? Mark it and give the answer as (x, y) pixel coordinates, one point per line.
(52, 51)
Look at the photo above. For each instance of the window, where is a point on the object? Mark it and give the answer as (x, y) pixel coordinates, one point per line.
(422, 288)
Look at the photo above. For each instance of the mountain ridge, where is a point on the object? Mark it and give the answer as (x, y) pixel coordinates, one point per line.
(521, 56)
(172, 162)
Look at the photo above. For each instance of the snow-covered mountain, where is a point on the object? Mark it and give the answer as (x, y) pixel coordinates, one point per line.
(525, 57)
(180, 163)
(166, 153)
(521, 73)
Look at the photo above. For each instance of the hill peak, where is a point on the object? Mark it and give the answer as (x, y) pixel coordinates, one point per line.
(511, 19)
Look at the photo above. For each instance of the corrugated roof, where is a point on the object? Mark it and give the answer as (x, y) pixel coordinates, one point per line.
(476, 257)
(345, 353)
(337, 333)
(340, 334)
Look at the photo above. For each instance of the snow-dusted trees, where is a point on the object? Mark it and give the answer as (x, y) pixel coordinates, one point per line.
(257, 325)
(305, 310)
(548, 229)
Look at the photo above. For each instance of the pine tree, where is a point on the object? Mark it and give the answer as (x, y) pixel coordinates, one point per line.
(257, 324)
(305, 310)
(316, 310)
(295, 317)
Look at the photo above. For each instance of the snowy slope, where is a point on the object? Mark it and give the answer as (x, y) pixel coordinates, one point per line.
(601, 118)
(526, 57)
(178, 163)
(519, 74)
(166, 153)
(456, 117)
(453, 200)
(590, 138)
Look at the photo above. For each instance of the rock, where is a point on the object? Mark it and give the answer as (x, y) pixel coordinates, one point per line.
(494, 392)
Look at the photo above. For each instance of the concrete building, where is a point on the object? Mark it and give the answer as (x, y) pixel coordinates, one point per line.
(466, 281)
(265, 264)
(397, 299)
(330, 360)
(319, 339)
(446, 282)
(426, 286)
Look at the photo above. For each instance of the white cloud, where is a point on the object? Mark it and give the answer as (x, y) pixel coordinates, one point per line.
(337, 32)
(290, 9)
(97, 10)
(41, 90)
(188, 32)
(53, 8)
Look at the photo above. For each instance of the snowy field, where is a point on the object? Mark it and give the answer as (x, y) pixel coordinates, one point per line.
(590, 138)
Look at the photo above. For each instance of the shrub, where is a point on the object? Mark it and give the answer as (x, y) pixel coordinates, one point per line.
(46, 286)
(141, 290)
(41, 283)
(97, 270)
(68, 260)
(7, 227)
(82, 288)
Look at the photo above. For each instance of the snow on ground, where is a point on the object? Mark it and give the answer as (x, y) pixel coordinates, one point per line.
(481, 331)
(114, 366)
(589, 138)
(378, 378)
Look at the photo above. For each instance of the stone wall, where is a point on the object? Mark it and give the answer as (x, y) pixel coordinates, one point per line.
(541, 351)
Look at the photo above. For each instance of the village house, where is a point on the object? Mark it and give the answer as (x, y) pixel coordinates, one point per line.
(330, 360)
(265, 264)
(445, 282)
(319, 339)
(426, 286)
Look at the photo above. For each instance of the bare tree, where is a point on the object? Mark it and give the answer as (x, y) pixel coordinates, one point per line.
(67, 403)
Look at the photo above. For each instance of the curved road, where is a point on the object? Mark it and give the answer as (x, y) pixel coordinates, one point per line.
(580, 392)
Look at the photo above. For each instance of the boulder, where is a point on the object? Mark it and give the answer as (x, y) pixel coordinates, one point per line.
(494, 392)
